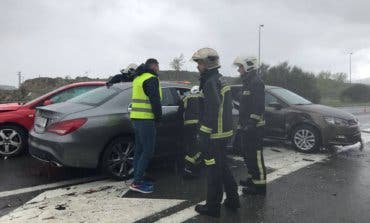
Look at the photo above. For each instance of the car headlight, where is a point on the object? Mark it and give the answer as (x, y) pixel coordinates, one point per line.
(336, 121)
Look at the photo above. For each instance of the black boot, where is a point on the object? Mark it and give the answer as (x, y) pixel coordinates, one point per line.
(254, 190)
(232, 204)
(212, 211)
(246, 183)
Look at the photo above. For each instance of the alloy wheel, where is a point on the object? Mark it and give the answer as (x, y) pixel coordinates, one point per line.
(10, 142)
(121, 160)
(304, 139)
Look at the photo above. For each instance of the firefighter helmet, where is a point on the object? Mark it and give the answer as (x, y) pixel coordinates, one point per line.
(249, 63)
(207, 55)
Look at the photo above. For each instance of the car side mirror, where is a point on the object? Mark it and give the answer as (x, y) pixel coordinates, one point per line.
(276, 105)
(47, 102)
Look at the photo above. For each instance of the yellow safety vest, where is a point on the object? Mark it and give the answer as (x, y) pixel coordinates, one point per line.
(141, 107)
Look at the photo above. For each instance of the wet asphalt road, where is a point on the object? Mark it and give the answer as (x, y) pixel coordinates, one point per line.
(334, 191)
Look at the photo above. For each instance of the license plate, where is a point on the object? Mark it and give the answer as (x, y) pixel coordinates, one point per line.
(41, 122)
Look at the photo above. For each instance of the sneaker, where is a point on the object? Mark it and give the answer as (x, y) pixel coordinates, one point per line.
(141, 187)
(148, 183)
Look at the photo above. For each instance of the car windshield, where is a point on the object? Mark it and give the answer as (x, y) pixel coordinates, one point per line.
(290, 97)
(96, 96)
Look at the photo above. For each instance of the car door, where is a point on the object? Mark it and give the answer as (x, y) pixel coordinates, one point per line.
(169, 128)
(275, 115)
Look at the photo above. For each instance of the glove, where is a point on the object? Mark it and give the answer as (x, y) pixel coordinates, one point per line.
(108, 84)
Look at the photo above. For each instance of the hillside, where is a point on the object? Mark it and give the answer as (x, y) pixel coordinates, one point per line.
(7, 87)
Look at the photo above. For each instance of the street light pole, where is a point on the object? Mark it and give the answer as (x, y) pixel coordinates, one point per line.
(350, 68)
(259, 48)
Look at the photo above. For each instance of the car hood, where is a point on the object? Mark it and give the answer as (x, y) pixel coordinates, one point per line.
(9, 107)
(325, 111)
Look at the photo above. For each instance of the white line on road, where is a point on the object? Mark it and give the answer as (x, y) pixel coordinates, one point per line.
(48, 186)
(294, 162)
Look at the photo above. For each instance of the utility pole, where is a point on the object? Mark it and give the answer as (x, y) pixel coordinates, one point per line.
(259, 47)
(19, 74)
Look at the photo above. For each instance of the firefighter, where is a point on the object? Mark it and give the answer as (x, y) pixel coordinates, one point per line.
(251, 125)
(215, 131)
(191, 105)
(126, 75)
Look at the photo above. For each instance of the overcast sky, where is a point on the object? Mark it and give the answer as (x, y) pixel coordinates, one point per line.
(99, 37)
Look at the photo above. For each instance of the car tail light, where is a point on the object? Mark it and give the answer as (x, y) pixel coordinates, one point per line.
(66, 127)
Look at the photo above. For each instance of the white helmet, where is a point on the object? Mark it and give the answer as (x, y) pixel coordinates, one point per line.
(194, 89)
(249, 63)
(209, 56)
(129, 69)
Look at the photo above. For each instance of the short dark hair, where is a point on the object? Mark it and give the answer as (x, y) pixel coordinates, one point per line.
(151, 61)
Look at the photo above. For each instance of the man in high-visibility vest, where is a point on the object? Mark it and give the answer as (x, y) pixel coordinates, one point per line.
(191, 106)
(251, 125)
(145, 111)
(215, 131)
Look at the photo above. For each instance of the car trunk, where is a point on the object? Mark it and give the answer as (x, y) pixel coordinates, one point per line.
(48, 115)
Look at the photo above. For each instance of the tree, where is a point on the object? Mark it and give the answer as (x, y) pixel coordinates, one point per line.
(324, 75)
(177, 63)
(341, 77)
(356, 93)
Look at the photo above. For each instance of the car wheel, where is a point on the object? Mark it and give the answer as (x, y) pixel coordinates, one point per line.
(118, 158)
(306, 139)
(13, 140)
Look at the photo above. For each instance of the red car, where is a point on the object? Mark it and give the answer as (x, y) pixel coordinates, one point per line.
(17, 119)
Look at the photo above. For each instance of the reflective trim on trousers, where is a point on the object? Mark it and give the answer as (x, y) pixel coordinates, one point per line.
(210, 162)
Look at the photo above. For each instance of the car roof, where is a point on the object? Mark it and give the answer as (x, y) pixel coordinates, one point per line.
(266, 86)
(126, 85)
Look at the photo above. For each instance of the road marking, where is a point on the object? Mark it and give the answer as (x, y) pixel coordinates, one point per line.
(48, 186)
(98, 201)
(286, 162)
(101, 201)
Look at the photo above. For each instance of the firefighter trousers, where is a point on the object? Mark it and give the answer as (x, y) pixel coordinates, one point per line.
(219, 176)
(252, 145)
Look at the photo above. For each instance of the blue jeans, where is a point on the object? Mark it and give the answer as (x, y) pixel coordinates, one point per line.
(145, 133)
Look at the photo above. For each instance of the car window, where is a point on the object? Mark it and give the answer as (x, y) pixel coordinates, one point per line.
(96, 96)
(167, 97)
(290, 97)
(70, 93)
(269, 99)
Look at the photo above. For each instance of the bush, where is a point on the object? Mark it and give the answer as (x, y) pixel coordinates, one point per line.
(356, 93)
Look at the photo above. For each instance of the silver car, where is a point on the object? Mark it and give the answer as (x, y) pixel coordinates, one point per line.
(93, 130)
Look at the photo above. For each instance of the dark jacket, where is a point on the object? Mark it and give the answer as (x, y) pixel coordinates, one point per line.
(191, 108)
(151, 89)
(120, 78)
(216, 117)
(252, 100)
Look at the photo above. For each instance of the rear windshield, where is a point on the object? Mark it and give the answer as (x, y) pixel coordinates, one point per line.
(290, 97)
(97, 96)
